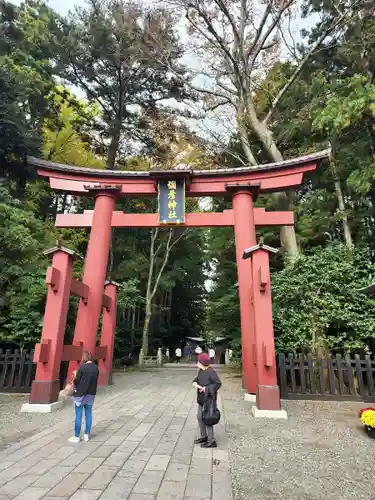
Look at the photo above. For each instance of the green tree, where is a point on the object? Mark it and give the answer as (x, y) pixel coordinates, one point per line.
(316, 303)
(110, 54)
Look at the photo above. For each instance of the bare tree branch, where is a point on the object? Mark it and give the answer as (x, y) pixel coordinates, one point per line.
(304, 60)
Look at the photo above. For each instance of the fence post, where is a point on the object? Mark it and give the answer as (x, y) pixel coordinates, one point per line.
(283, 378)
(160, 357)
(370, 379)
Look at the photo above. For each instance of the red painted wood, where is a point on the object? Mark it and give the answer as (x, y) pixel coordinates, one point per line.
(94, 274)
(53, 278)
(107, 302)
(42, 351)
(201, 185)
(101, 352)
(245, 237)
(72, 353)
(80, 289)
(45, 388)
(267, 390)
(107, 338)
(203, 219)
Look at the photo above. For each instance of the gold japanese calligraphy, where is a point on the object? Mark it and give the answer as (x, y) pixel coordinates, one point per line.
(171, 201)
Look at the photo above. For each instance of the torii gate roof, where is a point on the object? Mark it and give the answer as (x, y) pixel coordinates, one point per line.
(271, 177)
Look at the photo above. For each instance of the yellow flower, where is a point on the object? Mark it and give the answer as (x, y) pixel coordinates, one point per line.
(368, 418)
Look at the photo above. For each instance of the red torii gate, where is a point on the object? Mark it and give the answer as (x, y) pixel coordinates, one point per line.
(242, 185)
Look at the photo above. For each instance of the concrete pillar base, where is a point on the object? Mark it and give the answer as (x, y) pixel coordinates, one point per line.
(41, 408)
(276, 414)
(250, 398)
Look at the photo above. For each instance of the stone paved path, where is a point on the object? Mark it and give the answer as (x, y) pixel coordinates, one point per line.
(141, 449)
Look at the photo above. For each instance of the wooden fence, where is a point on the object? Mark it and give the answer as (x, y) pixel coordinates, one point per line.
(326, 377)
(17, 370)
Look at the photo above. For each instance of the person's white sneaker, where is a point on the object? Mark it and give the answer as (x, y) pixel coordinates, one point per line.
(86, 438)
(74, 439)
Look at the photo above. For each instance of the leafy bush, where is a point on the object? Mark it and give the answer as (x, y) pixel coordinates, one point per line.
(316, 302)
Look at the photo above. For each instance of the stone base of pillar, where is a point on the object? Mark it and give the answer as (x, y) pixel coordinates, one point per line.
(45, 408)
(44, 392)
(268, 397)
(277, 414)
(250, 398)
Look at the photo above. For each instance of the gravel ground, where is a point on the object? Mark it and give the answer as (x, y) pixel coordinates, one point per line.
(15, 426)
(321, 451)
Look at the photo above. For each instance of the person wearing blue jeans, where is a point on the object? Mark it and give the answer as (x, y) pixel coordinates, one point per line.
(78, 422)
(85, 387)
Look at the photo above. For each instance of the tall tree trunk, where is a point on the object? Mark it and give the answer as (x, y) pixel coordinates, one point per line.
(340, 199)
(113, 146)
(146, 328)
(153, 282)
(283, 201)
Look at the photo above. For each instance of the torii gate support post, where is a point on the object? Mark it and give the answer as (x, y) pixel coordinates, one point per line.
(267, 389)
(245, 237)
(46, 386)
(107, 339)
(95, 271)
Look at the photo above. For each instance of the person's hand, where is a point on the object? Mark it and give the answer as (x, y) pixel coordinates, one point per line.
(202, 389)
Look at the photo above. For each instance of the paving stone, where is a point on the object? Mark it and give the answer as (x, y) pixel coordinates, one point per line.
(68, 485)
(89, 465)
(181, 458)
(54, 498)
(198, 486)
(103, 451)
(5, 465)
(222, 490)
(8, 474)
(222, 455)
(135, 496)
(100, 478)
(32, 494)
(62, 453)
(132, 468)
(127, 447)
(17, 485)
(119, 489)
(53, 477)
(142, 453)
(42, 467)
(114, 441)
(149, 482)
(86, 495)
(158, 462)
(116, 459)
(201, 466)
(176, 472)
(164, 448)
(171, 490)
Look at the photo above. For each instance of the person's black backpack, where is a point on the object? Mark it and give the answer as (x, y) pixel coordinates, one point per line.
(210, 412)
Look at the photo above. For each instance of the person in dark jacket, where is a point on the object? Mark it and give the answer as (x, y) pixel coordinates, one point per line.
(85, 387)
(206, 378)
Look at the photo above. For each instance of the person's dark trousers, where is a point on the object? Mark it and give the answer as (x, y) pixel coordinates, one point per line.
(178, 360)
(207, 431)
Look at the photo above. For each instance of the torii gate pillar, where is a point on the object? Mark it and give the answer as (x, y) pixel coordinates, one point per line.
(267, 390)
(245, 237)
(95, 271)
